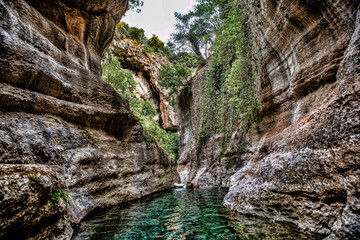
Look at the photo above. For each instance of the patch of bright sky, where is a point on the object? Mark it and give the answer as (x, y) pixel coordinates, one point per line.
(157, 16)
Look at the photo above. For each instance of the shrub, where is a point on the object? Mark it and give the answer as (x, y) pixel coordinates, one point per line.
(136, 34)
(146, 112)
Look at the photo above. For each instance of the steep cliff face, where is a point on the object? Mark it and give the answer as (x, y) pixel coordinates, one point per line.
(205, 165)
(302, 166)
(68, 142)
(308, 156)
(145, 68)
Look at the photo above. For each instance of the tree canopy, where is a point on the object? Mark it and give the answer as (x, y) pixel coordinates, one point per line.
(136, 4)
(156, 44)
(196, 30)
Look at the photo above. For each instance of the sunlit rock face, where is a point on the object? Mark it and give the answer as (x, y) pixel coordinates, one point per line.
(145, 68)
(305, 162)
(61, 126)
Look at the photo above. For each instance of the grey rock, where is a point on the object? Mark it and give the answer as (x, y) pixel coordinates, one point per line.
(63, 131)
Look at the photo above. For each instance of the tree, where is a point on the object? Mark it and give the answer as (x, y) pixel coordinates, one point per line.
(124, 31)
(196, 29)
(136, 4)
(189, 31)
(136, 34)
(156, 44)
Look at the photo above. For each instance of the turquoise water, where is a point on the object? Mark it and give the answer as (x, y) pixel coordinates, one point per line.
(177, 214)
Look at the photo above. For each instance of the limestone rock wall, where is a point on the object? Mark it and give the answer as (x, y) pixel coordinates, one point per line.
(62, 128)
(145, 68)
(305, 163)
(302, 166)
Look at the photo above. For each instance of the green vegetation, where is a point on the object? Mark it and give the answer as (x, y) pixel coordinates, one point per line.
(174, 77)
(124, 83)
(137, 35)
(59, 193)
(156, 44)
(189, 59)
(229, 85)
(121, 80)
(220, 28)
(216, 28)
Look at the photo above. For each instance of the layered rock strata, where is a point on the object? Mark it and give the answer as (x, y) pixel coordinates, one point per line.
(303, 163)
(68, 142)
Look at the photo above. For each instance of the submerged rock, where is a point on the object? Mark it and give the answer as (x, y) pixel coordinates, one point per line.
(63, 130)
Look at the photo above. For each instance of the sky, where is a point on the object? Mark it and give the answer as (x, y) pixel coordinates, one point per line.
(157, 16)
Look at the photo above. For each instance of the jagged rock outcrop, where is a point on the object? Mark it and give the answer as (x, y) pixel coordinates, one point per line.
(145, 68)
(303, 163)
(68, 142)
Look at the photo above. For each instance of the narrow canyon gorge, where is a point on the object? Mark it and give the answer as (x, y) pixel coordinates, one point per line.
(71, 146)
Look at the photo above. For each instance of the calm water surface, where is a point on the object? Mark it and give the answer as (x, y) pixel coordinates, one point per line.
(177, 214)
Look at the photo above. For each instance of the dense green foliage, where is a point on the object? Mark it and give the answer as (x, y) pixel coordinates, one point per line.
(121, 80)
(137, 35)
(174, 76)
(229, 85)
(221, 29)
(156, 44)
(124, 83)
(189, 59)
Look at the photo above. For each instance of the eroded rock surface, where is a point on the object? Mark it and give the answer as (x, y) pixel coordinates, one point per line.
(305, 167)
(62, 128)
(303, 163)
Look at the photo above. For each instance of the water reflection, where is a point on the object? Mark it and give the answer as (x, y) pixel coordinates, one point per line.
(187, 214)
